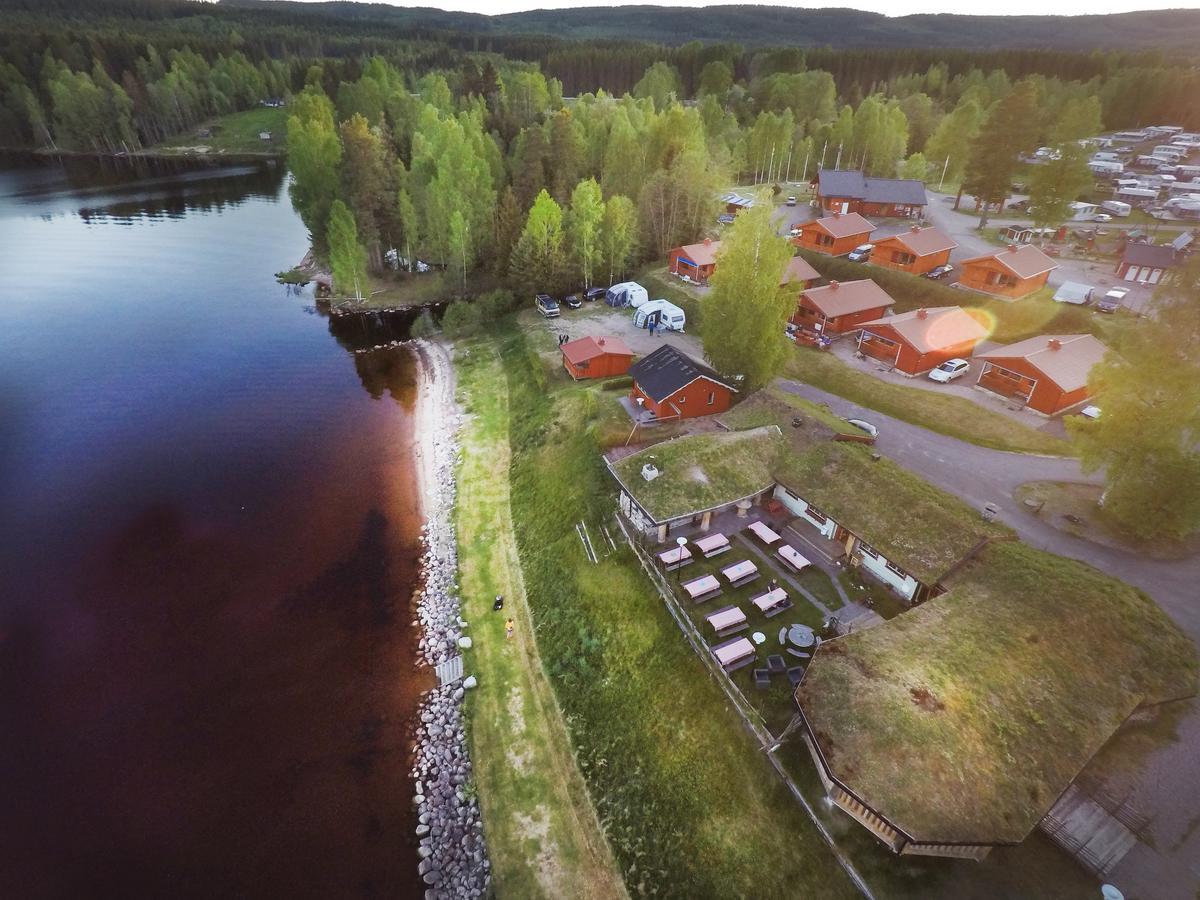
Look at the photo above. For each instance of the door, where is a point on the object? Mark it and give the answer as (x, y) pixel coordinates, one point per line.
(1131, 274)
(1155, 274)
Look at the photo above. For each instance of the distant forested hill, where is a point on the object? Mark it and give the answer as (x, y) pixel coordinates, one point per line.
(776, 26)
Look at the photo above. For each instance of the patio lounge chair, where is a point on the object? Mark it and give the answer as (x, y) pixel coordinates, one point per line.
(762, 679)
(795, 674)
(776, 664)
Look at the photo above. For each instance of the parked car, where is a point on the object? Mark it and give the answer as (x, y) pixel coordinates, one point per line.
(1112, 301)
(547, 306)
(794, 231)
(572, 301)
(861, 253)
(791, 200)
(725, 219)
(1102, 217)
(940, 272)
(864, 425)
(949, 370)
(594, 293)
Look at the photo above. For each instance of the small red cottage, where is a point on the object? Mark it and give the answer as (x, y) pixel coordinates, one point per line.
(1048, 374)
(841, 306)
(915, 251)
(834, 235)
(672, 385)
(917, 341)
(1009, 274)
(799, 274)
(591, 357)
(695, 261)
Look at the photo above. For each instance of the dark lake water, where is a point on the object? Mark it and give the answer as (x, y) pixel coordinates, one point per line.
(208, 527)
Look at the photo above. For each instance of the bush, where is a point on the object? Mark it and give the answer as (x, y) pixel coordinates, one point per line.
(496, 304)
(423, 326)
(461, 318)
(619, 383)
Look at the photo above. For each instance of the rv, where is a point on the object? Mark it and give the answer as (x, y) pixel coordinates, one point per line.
(1137, 196)
(1168, 151)
(1129, 137)
(1187, 173)
(1105, 167)
(1105, 156)
(627, 293)
(1116, 208)
(663, 314)
(1148, 161)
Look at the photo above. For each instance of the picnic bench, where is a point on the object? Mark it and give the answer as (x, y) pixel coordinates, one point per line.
(675, 558)
(734, 653)
(773, 602)
(727, 620)
(703, 588)
(740, 573)
(713, 544)
(792, 558)
(764, 533)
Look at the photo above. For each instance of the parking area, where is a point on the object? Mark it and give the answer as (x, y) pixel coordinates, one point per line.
(598, 320)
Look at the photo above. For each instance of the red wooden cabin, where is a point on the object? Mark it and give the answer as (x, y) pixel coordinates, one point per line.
(917, 341)
(591, 357)
(916, 251)
(1048, 374)
(840, 307)
(834, 235)
(1009, 274)
(672, 385)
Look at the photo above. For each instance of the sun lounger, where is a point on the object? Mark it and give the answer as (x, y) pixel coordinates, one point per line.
(734, 653)
(675, 558)
(792, 557)
(740, 573)
(773, 602)
(712, 545)
(764, 533)
(703, 588)
(727, 620)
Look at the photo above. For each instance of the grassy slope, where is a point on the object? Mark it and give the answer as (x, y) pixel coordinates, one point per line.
(542, 832)
(956, 417)
(237, 134)
(689, 804)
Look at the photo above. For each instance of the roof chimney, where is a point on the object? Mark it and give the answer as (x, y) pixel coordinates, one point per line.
(1012, 248)
(1054, 344)
(600, 342)
(922, 313)
(837, 213)
(834, 285)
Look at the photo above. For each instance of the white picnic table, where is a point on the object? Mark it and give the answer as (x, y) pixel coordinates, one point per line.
(712, 544)
(739, 570)
(733, 651)
(792, 557)
(770, 599)
(698, 587)
(724, 618)
(675, 557)
(764, 533)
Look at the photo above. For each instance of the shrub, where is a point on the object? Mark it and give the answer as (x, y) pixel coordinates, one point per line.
(460, 319)
(496, 304)
(423, 326)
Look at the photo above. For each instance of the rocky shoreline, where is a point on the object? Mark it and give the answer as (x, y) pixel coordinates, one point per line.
(453, 855)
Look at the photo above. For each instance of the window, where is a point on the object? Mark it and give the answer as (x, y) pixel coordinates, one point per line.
(895, 569)
(867, 550)
(712, 397)
(824, 240)
(816, 515)
(902, 258)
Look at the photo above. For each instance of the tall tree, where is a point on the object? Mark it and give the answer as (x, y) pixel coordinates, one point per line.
(567, 153)
(746, 311)
(368, 182)
(1056, 183)
(1009, 128)
(618, 235)
(538, 260)
(347, 258)
(950, 143)
(716, 78)
(583, 221)
(1079, 119)
(507, 229)
(1147, 440)
(659, 84)
(462, 252)
(314, 154)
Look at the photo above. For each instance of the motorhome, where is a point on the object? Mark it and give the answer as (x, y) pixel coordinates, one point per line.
(1187, 173)
(1137, 196)
(1129, 137)
(1149, 161)
(627, 293)
(1106, 167)
(1168, 151)
(1116, 208)
(664, 315)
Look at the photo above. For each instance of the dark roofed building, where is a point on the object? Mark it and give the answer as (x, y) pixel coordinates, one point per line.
(847, 190)
(672, 385)
(1147, 263)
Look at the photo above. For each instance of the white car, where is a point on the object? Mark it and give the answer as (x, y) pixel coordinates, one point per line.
(861, 253)
(791, 200)
(949, 370)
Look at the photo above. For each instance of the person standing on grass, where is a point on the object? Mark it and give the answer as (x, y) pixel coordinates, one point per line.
(509, 626)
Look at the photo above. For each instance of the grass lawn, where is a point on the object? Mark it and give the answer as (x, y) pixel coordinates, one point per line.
(774, 406)
(1059, 499)
(688, 801)
(953, 416)
(543, 835)
(234, 134)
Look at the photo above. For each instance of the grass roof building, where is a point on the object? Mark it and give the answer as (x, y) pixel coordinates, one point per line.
(953, 728)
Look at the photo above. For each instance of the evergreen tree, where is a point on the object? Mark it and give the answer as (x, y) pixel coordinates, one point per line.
(1009, 128)
(507, 229)
(347, 258)
(539, 260)
(567, 152)
(949, 145)
(583, 222)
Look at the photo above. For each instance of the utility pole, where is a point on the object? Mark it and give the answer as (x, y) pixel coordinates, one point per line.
(837, 163)
(824, 147)
(788, 176)
(771, 164)
(945, 168)
(804, 174)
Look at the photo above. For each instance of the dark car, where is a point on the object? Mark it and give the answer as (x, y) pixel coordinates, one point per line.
(1111, 301)
(572, 301)
(594, 293)
(940, 272)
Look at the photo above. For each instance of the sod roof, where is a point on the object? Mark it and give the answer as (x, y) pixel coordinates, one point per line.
(701, 471)
(964, 719)
(913, 524)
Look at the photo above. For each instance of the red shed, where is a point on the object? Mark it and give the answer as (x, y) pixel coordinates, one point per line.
(672, 385)
(841, 306)
(1048, 374)
(591, 357)
(916, 251)
(695, 261)
(1009, 274)
(917, 341)
(834, 235)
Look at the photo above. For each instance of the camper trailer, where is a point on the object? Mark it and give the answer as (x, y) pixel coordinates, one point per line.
(1105, 156)
(663, 314)
(1106, 167)
(1137, 196)
(627, 293)
(1116, 208)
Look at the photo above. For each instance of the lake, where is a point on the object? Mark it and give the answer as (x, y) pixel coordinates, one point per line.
(209, 529)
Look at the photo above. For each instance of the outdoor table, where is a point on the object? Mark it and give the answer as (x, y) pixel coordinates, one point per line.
(758, 637)
(675, 558)
(734, 653)
(740, 572)
(727, 620)
(712, 544)
(792, 557)
(771, 600)
(703, 587)
(764, 533)
(801, 636)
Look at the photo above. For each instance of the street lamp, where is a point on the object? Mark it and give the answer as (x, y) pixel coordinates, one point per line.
(680, 541)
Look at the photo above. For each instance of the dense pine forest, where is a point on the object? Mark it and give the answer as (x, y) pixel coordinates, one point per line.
(536, 158)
